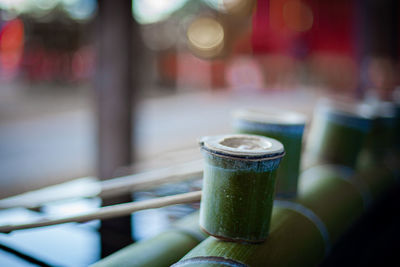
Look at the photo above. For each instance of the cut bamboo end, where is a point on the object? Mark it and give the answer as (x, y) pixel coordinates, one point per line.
(210, 261)
(243, 146)
(238, 186)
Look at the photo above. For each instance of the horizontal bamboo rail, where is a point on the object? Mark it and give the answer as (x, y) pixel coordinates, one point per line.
(110, 211)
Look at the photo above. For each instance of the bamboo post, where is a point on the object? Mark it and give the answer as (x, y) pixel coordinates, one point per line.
(381, 138)
(162, 250)
(338, 133)
(288, 128)
(238, 186)
(397, 123)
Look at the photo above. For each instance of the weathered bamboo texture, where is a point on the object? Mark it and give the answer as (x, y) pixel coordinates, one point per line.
(161, 250)
(238, 185)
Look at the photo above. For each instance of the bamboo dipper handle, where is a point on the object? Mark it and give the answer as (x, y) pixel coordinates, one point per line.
(111, 211)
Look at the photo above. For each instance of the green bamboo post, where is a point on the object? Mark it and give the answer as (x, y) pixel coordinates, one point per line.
(162, 250)
(377, 175)
(397, 125)
(381, 138)
(381, 143)
(288, 128)
(302, 231)
(396, 157)
(337, 133)
(238, 185)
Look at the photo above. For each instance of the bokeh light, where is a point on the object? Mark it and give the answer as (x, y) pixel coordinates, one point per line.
(298, 16)
(244, 75)
(151, 11)
(76, 9)
(45, 4)
(80, 9)
(205, 37)
(234, 7)
(11, 46)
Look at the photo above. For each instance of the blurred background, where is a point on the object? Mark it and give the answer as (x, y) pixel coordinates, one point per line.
(107, 88)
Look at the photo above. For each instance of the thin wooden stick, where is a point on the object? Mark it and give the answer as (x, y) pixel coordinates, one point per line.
(111, 211)
(151, 179)
(90, 187)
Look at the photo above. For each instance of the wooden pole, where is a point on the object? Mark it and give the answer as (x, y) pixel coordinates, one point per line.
(90, 187)
(113, 211)
(114, 94)
(377, 44)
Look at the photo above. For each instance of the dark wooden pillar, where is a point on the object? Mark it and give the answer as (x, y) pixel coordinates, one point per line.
(114, 85)
(377, 42)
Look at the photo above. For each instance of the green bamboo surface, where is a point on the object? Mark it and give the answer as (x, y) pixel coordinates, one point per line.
(377, 175)
(337, 138)
(383, 129)
(236, 203)
(237, 197)
(332, 194)
(397, 125)
(162, 250)
(382, 137)
(337, 201)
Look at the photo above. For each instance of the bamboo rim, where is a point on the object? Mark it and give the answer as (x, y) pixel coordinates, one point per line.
(245, 147)
(312, 216)
(221, 261)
